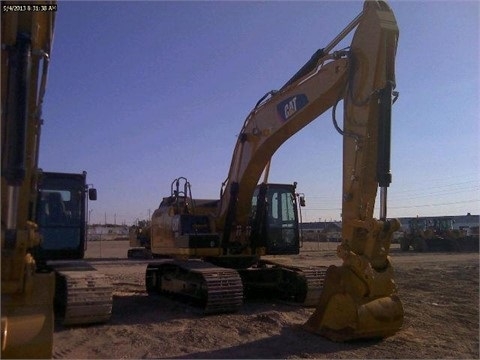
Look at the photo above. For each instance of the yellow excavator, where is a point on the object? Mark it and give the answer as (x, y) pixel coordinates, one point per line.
(213, 252)
(27, 295)
(41, 270)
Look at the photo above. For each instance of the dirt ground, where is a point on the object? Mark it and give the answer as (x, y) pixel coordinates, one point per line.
(439, 291)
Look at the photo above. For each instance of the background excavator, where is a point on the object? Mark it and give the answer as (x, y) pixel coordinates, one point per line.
(437, 234)
(214, 250)
(29, 283)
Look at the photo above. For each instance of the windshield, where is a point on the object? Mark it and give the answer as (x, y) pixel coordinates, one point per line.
(60, 207)
(60, 212)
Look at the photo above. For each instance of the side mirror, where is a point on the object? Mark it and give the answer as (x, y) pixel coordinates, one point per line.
(92, 194)
(302, 201)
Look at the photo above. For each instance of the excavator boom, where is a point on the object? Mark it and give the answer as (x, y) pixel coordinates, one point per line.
(269, 125)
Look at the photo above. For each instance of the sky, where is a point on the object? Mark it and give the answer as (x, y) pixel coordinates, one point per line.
(140, 93)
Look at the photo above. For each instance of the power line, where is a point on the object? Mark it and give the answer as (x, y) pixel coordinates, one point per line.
(438, 204)
(400, 207)
(410, 194)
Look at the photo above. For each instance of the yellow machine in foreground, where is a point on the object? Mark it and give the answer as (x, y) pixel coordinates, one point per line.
(216, 249)
(27, 296)
(43, 214)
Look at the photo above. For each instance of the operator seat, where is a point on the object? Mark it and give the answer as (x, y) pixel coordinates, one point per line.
(56, 208)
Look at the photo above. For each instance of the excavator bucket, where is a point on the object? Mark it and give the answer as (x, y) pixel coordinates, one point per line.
(348, 311)
(28, 321)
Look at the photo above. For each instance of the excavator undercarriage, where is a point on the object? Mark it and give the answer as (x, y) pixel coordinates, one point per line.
(279, 279)
(213, 289)
(83, 295)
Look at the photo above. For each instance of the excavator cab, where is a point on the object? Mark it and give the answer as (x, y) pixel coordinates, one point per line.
(274, 219)
(61, 214)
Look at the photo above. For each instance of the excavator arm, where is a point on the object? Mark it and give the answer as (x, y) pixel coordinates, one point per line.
(27, 296)
(358, 299)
